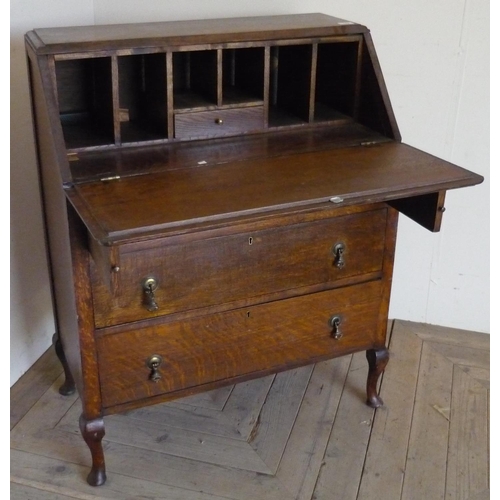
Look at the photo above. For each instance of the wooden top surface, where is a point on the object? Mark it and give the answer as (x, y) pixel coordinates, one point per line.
(143, 206)
(111, 37)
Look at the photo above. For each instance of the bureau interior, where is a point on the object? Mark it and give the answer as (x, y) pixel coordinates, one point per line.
(85, 99)
(142, 84)
(195, 80)
(122, 98)
(243, 76)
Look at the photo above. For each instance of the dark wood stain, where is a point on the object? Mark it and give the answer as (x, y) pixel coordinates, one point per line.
(253, 168)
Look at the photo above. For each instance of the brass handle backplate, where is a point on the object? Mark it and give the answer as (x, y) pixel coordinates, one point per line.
(338, 251)
(149, 285)
(335, 322)
(153, 363)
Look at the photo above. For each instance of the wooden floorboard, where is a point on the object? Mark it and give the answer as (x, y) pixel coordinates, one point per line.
(305, 434)
(30, 387)
(385, 463)
(346, 450)
(467, 473)
(425, 471)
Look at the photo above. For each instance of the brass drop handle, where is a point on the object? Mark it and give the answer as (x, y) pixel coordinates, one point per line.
(338, 251)
(153, 363)
(149, 285)
(219, 121)
(335, 324)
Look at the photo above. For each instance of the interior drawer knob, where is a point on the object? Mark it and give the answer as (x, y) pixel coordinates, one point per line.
(153, 363)
(338, 251)
(335, 322)
(219, 121)
(149, 285)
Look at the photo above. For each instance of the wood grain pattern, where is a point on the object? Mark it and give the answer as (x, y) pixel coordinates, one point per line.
(278, 414)
(130, 207)
(273, 256)
(337, 448)
(204, 124)
(244, 341)
(344, 458)
(427, 453)
(172, 33)
(93, 165)
(427, 209)
(210, 271)
(468, 468)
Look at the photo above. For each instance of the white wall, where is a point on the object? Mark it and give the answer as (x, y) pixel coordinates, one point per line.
(435, 59)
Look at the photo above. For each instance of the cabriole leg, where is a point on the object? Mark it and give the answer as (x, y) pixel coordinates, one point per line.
(377, 361)
(68, 386)
(93, 432)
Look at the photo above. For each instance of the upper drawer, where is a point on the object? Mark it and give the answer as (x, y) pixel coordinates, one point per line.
(207, 272)
(219, 123)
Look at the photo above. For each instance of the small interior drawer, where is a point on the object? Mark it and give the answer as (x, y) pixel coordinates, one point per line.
(252, 264)
(218, 123)
(273, 336)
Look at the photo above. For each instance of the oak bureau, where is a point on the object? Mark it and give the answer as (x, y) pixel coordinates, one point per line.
(221, 202)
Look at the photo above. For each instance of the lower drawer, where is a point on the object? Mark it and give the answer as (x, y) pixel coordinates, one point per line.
(266, 337)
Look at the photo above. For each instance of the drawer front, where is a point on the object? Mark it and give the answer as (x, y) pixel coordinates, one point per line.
(266, 337)
(219, 123)
(209, 272)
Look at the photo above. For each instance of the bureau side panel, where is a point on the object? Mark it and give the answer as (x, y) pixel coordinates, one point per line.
(387, 270)
(50, 156)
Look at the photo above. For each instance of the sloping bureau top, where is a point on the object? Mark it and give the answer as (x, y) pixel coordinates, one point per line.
(142, 206)
(112, 37)
(223, 119)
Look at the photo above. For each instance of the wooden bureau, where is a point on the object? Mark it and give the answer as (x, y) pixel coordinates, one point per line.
(221, 202)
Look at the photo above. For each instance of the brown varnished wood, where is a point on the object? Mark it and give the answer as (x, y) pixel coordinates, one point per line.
(426, 209)
(116, 99)
(94, 165)
(375, 109)
(242, 75)
(217, 123)
(312, 93)
(85, 98)
(388, 171)
(387, 270)
(211, 271)
(378, 357)
(218, 79)
(84, 345)
(242, 224)
(73, 39)
(270, 235)
(107, 262)
(92, 433)
(238, 304)
(50, 153)
(377, 361)
(142, 96)
(337, 79)
(68, 387)
(237, 342)
(294, 64)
